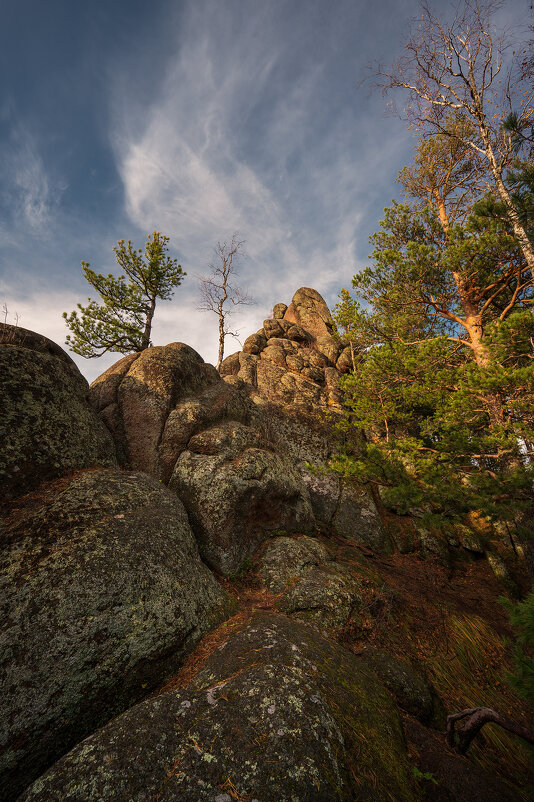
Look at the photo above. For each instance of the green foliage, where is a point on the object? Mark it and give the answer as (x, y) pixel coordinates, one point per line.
(424, 775)
(522, 620)
(442, 387)
(122, 321)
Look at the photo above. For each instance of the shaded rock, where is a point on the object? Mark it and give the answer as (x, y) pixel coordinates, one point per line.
(279, 311)
(278, 714)
(238, 495)
(102, 594)
(408, 685)
(325, 491)
(231, 365)
(326, 596)
(47, 424)
(135, 398)
(315, 588)
(432, 545)
(287, 558)
(469, 540)
(357, 518)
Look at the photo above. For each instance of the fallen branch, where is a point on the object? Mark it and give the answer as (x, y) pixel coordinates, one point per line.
(476, 718)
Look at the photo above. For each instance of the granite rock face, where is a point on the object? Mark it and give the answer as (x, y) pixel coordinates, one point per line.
(312, 586)
(237, 491)
(102, 594)
(277, 714)
(136, 395)
(47, 424)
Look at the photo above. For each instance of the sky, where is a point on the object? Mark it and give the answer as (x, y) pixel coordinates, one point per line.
(196, 118)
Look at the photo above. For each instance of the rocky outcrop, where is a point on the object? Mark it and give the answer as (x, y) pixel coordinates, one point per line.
(312, 586)
(47, 424)
(237, 491)
(292, 359)
(136, 395)
(102, 594)
(278, 713)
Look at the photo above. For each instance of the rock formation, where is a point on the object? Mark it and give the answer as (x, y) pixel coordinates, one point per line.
(140, 513)
(279, 713)
(47, 424)
(102, 595)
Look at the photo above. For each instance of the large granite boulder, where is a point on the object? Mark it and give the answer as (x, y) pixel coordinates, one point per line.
(136, 395)
(277, 714)
(102, 594)
(309, 310)
(237, 491)
(47, 424)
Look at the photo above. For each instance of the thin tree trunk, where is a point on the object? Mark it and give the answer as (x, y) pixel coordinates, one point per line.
(145, 342)
(521, 235)
(221, 339)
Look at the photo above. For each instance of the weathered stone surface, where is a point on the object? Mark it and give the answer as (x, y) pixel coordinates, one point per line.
(407, 684)
(325, 492)
(135, 397)
(102, 593)
(357, 518)
(313, 587)
(278, 714)
(219, 402)
(279, 311)
(275, 328)
(292, 356)
(47, 424)
(326, 596)
(231, 365)
(433, 546)
(309, 310)
(255, 343)
(236, 492)
(286, 559)
(344, 361)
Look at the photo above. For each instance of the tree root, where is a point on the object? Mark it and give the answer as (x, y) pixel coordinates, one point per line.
(476, 718)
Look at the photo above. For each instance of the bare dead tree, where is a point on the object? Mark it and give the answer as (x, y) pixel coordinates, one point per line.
(458, 70)
(218, 294)
(475, 718)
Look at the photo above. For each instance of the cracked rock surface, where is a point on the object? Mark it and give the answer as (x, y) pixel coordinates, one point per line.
(277, 714)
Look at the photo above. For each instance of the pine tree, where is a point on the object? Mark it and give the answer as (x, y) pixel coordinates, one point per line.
(122, 321)
(443, 385)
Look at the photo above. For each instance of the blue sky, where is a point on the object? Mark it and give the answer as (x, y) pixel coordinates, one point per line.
(197, 118)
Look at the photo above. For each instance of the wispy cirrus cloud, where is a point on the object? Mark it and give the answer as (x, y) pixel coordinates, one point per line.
(243, 135)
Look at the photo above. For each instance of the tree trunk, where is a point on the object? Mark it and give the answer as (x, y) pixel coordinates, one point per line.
(521, 235)
(145, 342)
(221, 339)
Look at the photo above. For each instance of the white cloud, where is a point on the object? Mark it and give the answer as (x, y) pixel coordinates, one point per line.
(33, 198)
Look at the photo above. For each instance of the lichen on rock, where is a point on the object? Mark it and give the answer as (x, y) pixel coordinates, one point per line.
(277, 714)
(102, 594)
